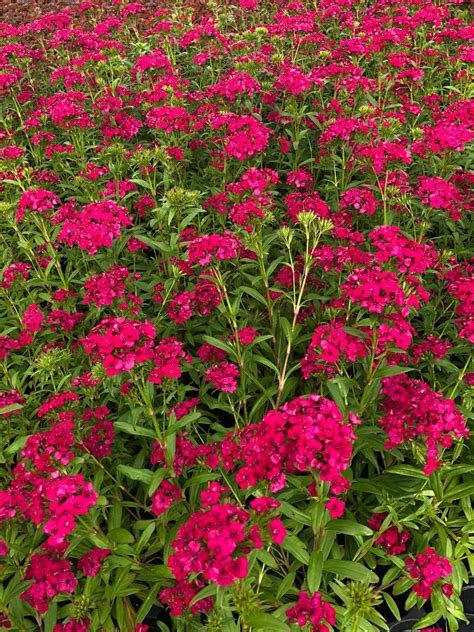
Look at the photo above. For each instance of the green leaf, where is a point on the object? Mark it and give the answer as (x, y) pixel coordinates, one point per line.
(266, 622)
(137, 431)
(16, 446)
(350, 570)
(465, 489)
(349, 527)
(10, 408)
(387, 371)
(390, 601)
(407, 470)
(285, 585)
(120, 536)
(315, 570)
(50, 618)
(207, 591)
(136, 474)
(148, 603)
(293, 545)
(429, 619)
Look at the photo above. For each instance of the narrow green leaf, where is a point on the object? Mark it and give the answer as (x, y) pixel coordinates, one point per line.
(315, 570)
(350, 570)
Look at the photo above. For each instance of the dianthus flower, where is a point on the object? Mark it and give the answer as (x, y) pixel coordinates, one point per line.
(36, 200)
(168, 355)
(306, 434)
(245, 336)
(300, 178)
(178, 598)
(164, 497)
(102, 289)
(310, 201)
(264, 503)
(99, 438)
(205, 297)
(120, 343)
(186, 454)
(203, 249)
(55, 402)
(234, 83)
(32, 319)
(293, 80)
(179, 308)
(8, 398)
(391, 539)
(330, 345)
(51, 576)
(208, 544)
(412, 411)
(14, 272)
(47, 449)
(361, 199)
(312, 611)
(95, 226)
(91, 562)
(409, 256)
(428, 568)
(439, 194)
(378, 290)
(63, 320)
(223, 376)
(245, 136)
(169, 119)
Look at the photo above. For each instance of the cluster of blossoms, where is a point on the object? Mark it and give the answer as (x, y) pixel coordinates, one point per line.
(308, 434)
(10, 398)
(50, 576)
(94, 226)
(38, 201)
(202, 300)
(330, 345)
(245, 136)
(312, 610)
(204, 249)
(103, 289)
(410, 256)
(413, 411)
(211, 544)
(223, 376)
(14, 272)
(391, 539)
(359, 198)
(167, 356)
(120, 343)
(216, 540)
(428, 568)
(50, 497)
(178, 598)
(378, 290)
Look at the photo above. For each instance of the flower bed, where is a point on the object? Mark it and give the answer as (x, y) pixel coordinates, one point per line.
(236, 314)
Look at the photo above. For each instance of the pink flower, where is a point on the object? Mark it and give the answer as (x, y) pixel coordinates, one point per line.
(263, 504)
(428, 568)
(277, 531)
(32, 319)
(164, 497)
(223, 376)
(91, 562)
(312, 610)
(335, 507)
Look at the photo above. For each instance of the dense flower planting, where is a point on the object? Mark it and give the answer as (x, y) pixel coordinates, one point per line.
(236, 310)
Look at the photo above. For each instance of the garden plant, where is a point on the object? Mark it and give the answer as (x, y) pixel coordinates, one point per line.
(236, 308)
